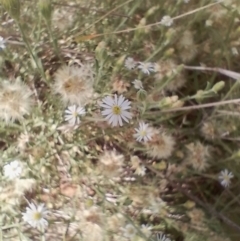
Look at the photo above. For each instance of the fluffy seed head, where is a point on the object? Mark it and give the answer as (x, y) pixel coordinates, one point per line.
(15, 101)
(110, 164)
(93, 215)
(197, 156)
(168, 69)
(115, 222)
(209, 130)
(120, 85)
(186, 46)
(92, 232)
(74, 84)
(196, 216)
(129, 231)
(62, 18)
(161, 145)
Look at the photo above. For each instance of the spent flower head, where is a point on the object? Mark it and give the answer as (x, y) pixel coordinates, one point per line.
(129, 231)
(130, 63)
(146, 230)
(74, 84)
(157, 206)
(138, 84)
(13, 169)
(225, 177)
(73, 113)
(166, 21)
(35, 216)
(168, 69)
(198, 155)
(115, 109)
(147, 67)
(161, 144)
(110, 164)
(140, 171)
(15, 101)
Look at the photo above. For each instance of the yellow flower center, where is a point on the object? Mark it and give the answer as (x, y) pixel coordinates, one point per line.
(116, 110)
(143, 133)
(37, 216)
(226, 178)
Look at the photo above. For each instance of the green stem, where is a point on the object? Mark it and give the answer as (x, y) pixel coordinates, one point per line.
(30, 51)
(54, 41)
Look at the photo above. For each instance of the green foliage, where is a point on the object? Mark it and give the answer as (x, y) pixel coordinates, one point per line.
(100, 182)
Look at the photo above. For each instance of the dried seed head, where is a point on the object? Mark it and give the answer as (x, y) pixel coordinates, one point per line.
(74, 84)
(186, 47)
(119, 85)
(161, 145)
(197, 156)
(169, 69)
(15, 101)
(110, 164)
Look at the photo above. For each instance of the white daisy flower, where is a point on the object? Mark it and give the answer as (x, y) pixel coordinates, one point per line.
(208, 23)
(140, 171)
(2, 43)
(13, 170)
(138, 84)
(157, 206)
(146, 229)
(234, 51)
(166, 21)
(116, 110)
(35, 216)
(162, 237)
(130, 63)
(144, 133)
(146, 68)
(129, 231)
(225, 177)
(73, 113)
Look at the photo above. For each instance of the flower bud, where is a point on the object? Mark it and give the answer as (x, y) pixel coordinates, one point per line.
(45, 8)
(169, 52)
(218, 86)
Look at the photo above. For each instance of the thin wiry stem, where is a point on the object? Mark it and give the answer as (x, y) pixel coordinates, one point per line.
(104, 16)
(208, 105)
(30, 51)
(187, 193)
(152, 24)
